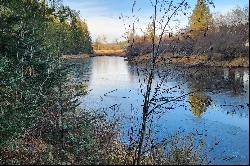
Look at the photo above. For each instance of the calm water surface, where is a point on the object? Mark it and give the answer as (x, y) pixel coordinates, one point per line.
(218, 109)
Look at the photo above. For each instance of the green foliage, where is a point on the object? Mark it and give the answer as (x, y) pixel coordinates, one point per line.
(201, 18)
(33, 37)
(80, 36)
(37, 107)
(73, 34)
(23, 48)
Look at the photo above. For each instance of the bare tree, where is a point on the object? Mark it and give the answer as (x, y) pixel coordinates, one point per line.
(170, 12)
(165, 13)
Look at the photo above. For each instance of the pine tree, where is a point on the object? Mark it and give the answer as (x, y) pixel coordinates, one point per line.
(200, 18)
(82, 42)
(150, 32)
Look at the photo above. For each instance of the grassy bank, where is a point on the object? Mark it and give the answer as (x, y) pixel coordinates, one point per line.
(193, 60)
(187, 61)
(120, 53)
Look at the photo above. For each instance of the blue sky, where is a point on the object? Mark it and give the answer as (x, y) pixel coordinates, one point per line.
(102, 15)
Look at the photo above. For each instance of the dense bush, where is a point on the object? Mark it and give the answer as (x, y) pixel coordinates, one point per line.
(229, 41)
(225, 37)
(33, 38)
(139, 48)
(178, 47)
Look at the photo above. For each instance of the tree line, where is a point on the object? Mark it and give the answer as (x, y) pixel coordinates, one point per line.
(208, 34)
(101, 43)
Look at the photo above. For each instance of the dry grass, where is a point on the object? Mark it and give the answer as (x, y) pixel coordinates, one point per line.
(109, 52)
(189, 60)
(173, 59)
(192, 60)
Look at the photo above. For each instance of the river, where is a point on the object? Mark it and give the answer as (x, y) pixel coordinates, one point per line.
(214, 102)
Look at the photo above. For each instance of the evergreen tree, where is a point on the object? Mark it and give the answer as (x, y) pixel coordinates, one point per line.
(80, 35)
(87, 41)
(150, 32)
(200, 18)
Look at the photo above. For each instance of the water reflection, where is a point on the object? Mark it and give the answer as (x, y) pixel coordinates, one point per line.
(220, 100)
(226, 89)
(219, 80)
(199, 102)
(246, 81)
(226, 73)
(105, 68)
(79, 70)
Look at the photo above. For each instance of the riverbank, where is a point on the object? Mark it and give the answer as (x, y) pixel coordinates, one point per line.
(72, 57)
(119, 53)
(193, 60)
(216, 60)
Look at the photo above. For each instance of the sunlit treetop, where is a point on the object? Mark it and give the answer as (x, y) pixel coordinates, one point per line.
(201, 17)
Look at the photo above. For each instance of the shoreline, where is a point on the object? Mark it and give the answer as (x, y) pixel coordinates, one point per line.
(75, 57)
(118, 53)
(180, 61)
(193, 61)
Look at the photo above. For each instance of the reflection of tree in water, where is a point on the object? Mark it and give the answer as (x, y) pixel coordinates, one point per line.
(218, 80)
(230, 82)
(236, 80)
(199, 102)
(79, 70)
